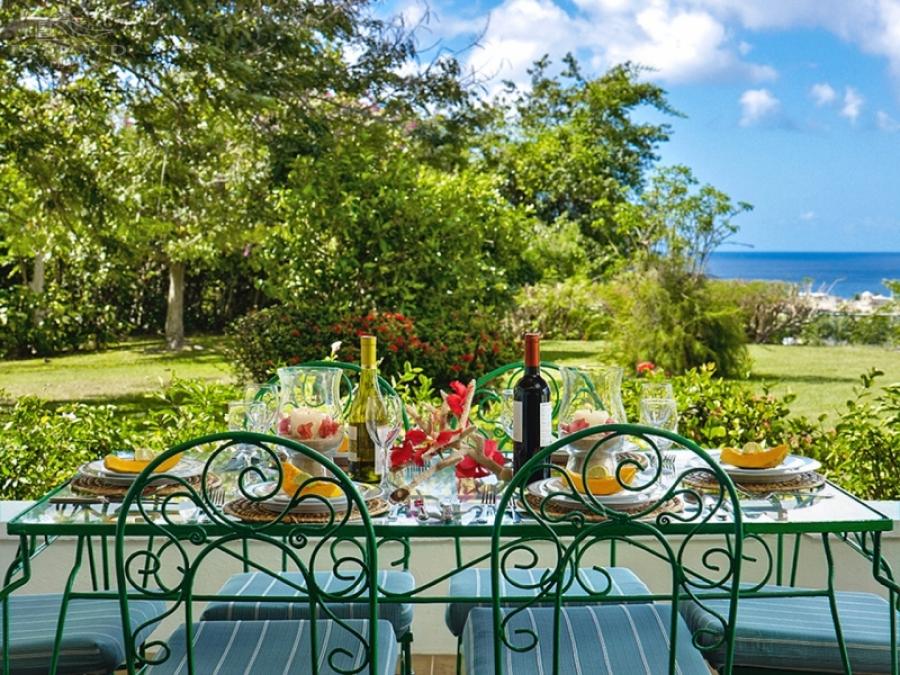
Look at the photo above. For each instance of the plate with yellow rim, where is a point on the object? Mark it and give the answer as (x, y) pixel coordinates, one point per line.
(792, 464)
(547, 486)
(186, 468)
(275, 499)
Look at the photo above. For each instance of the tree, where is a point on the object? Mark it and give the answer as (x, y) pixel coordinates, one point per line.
(570, 150)
(280, 72)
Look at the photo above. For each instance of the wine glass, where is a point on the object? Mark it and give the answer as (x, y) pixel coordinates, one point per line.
(505, 417)
(661, 413)
(262, 402)
(384, 421)
(657, 390)
(236, 416)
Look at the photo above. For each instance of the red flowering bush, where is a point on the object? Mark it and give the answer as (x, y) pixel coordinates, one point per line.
(458, 345)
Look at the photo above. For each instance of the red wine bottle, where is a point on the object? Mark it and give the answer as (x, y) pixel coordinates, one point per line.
(531, 410)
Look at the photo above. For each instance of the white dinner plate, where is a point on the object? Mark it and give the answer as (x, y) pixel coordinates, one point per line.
(793, 464)
(544, 487)
(280, 499)
(186, 468)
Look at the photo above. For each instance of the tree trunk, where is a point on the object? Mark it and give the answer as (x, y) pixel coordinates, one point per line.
(37, 283)
(175, 307)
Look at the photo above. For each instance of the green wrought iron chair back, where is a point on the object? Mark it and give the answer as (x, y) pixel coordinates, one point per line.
(488, 401)
(571, 523)
(168, 570)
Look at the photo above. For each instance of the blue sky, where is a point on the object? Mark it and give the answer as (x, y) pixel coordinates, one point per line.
(791, 105)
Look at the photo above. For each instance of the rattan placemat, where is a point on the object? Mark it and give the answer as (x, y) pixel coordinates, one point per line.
(557, 507)
(802, 481)
(253, 512)
(90, 485)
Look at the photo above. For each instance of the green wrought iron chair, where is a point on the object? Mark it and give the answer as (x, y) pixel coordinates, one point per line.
(323, 641)
(791, 630)
(556, 609)
(390, 581)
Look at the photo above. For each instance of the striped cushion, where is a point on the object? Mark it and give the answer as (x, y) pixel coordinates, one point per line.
(275, 647)
(798, 633)
(475, 582)
(259, 583)
(600, 640)
(92, 637)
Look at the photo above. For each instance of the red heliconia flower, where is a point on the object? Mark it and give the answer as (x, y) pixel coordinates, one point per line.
(402, 454)
(469, 468)
(416, 436)
(457, 399)
(445, 437)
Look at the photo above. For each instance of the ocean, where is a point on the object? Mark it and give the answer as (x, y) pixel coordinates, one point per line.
(842, 274)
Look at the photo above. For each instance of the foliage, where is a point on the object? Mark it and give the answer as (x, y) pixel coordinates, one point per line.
(672, 318)
(572, 309)
(716, 412)
(455, 346)
(570, 150)
(675, 219)
(880, 328)
(861, 451)
(770, 310)
(42, 445)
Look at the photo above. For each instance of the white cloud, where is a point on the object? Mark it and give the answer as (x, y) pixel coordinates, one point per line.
(886, 123)
(757, 105)
(823, 93)
(853, 104)
(808, 215)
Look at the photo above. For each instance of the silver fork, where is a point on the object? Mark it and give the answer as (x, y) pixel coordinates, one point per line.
(489, 500)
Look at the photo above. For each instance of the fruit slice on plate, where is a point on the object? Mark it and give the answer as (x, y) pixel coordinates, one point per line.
(137, 461)
(292, 478)
(601, 482)
(755, 456)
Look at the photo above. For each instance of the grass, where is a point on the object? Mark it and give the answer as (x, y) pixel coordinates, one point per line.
(821, 377)
(122, 374)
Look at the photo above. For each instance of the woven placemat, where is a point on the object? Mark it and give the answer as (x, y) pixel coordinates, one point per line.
(90, 485)
(253, 512)
(557, 507)
(802, 481)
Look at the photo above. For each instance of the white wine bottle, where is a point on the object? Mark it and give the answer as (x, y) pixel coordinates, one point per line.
(362, 452)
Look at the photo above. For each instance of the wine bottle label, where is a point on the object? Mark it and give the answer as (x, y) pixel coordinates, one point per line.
(546, 424)
(352, 436)
(517, 434)
(546, 413)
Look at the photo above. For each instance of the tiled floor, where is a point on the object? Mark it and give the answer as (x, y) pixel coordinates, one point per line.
(439, 664)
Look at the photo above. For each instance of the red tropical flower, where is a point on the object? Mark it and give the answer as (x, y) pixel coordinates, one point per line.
(457, 399)
(469, 468)
(645, 367)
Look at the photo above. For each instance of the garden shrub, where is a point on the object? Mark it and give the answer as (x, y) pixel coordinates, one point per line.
(43, 444)
(459, 345)
(572, 309)
(671, 317)
(770, 310)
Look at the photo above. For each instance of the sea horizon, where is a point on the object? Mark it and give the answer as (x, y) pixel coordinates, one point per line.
(842, 273)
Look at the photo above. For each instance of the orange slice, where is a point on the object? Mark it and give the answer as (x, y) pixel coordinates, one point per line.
(292, 478)
(600, 482)
(126, 464)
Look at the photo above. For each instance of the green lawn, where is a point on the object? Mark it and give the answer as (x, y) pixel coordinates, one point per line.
(122, 374)
(822, 377)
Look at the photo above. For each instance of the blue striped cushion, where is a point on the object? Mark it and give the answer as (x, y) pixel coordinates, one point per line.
(798, 633)
(259, 583)
(475, 582)
(275, 647)
(619, 639)
(92, 637)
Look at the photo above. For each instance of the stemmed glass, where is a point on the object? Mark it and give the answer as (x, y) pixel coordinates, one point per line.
(262, 402)
(505, 418)
(658, 409)
(384, 421)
